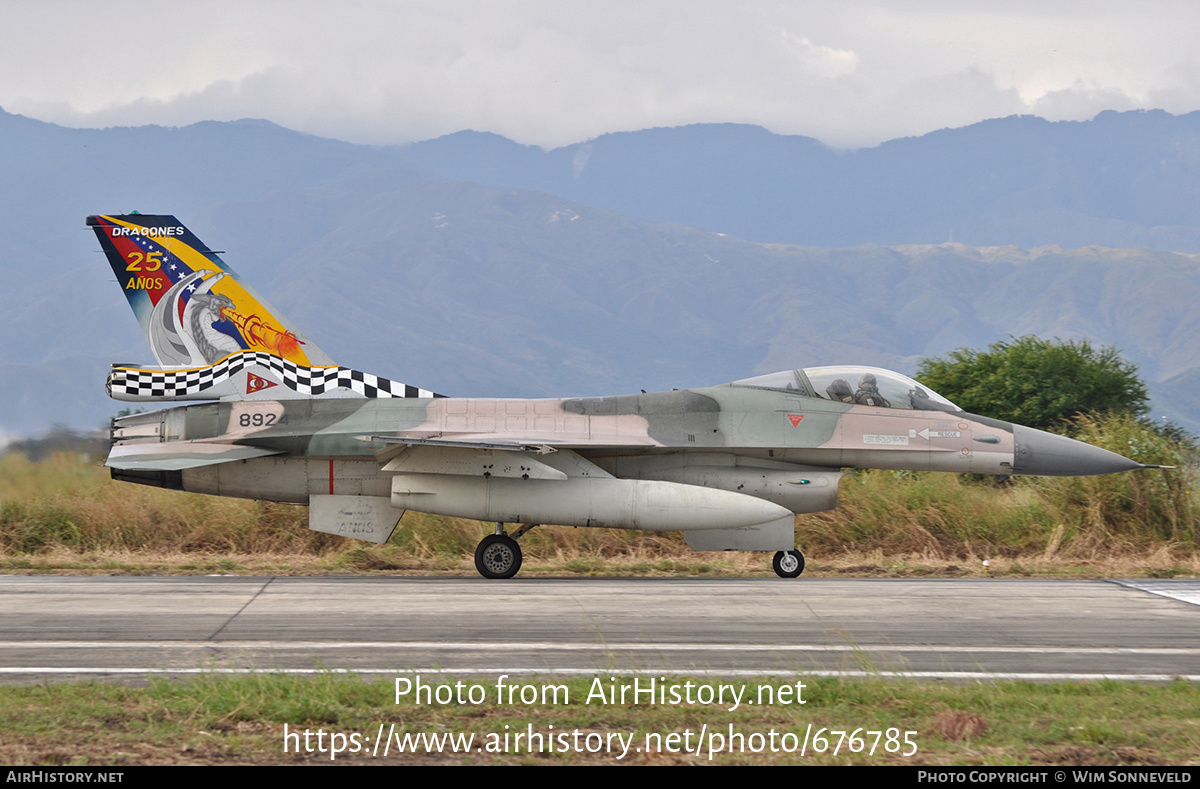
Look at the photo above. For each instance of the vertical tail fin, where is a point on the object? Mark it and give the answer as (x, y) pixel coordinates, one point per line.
(193, 308)
(216, 337)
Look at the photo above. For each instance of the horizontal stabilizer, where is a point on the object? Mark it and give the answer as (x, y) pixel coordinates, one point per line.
(178, 455)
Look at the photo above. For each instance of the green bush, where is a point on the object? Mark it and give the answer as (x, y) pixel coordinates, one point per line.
(1156, 503)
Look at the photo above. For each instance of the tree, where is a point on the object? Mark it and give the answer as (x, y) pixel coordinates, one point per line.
(1039, 383)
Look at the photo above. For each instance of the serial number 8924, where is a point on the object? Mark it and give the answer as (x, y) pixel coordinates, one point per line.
(261, 420)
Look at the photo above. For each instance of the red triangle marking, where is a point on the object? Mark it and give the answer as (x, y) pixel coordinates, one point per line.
(795, 419)
(256, 383)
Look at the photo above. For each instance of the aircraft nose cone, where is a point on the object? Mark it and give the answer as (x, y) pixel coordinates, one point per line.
(1038, 453)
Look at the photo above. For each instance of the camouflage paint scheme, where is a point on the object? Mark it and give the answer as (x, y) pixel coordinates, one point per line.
(728, 465)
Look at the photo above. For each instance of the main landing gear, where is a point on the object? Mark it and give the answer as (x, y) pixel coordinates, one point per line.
(788, 564)
(498, 555)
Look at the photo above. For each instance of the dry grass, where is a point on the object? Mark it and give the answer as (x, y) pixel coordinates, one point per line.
(65, 515)
(956, 725)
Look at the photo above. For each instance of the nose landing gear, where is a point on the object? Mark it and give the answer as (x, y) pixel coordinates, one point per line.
(788, 564)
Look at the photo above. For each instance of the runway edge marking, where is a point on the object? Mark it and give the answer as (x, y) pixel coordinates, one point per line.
(1183, 590)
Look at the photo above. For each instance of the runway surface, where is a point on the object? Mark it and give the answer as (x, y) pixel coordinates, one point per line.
(127, 627)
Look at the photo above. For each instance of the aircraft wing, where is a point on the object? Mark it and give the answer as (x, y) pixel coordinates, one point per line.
(503, 446)
(178, 455)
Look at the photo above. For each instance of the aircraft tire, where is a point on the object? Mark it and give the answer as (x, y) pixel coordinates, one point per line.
(788, 564)
(498, 556)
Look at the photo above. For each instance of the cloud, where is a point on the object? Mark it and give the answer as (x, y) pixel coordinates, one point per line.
(1081, 102)
(821, 60)
(554, 73)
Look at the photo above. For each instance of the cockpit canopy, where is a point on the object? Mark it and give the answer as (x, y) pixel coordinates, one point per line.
(856, 386)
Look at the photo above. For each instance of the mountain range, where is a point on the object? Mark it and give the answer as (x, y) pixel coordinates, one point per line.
(644, 260)
(1123, 179)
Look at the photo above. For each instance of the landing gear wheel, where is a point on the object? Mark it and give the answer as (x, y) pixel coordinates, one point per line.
(788, 564)
(498, 556)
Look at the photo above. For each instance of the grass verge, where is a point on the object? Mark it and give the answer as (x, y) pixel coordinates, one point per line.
(240, 720)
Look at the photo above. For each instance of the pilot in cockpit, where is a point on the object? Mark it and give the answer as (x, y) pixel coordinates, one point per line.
(868, 392)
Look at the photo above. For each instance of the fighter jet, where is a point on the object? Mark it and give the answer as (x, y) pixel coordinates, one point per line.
(730, 466)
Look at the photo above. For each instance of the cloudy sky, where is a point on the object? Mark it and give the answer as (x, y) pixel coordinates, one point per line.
(552, 73)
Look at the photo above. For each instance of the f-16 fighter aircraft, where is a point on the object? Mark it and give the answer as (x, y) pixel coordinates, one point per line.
(730, 466)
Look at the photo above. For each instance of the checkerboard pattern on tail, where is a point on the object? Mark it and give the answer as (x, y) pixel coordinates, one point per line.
(134, 382)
